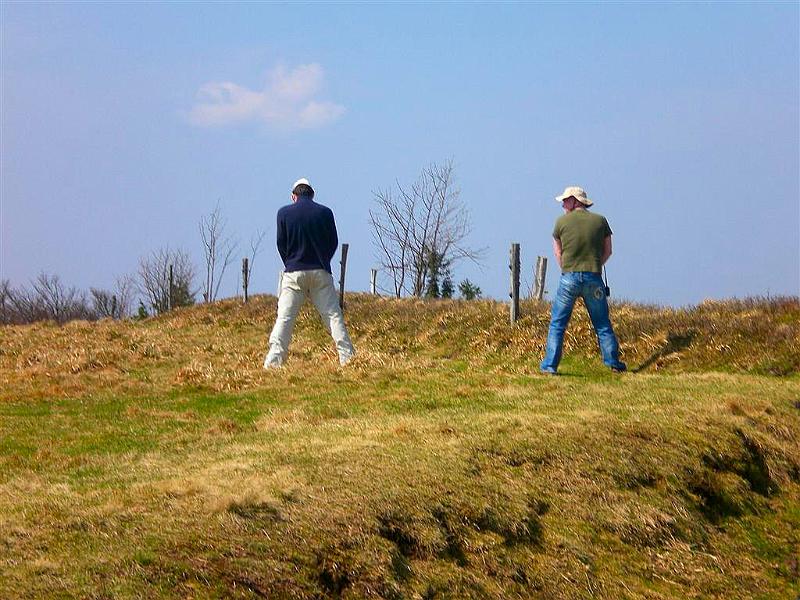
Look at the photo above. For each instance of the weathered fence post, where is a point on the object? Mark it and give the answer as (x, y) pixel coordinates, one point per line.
(171, 286)
(245, 277)
(343, 262)
(539, 277)
(373, 282)
(514, 266)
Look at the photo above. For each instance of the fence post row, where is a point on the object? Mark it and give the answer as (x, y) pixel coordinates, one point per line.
(539, 277)
(514, 266)
(343, 262)
(245, 277)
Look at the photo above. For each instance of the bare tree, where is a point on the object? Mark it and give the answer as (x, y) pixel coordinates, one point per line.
(413, 224)
(391, 222)
(125, 287)
(154, 282)
(6, 310)
(114, 304)
(104, 303)
(218, 250)
(23, 306)
(61, 303)
(46, 299)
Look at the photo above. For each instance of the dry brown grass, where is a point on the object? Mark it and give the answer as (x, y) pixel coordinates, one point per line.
(221, 347)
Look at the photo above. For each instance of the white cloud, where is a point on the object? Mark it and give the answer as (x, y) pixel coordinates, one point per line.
(287, 101)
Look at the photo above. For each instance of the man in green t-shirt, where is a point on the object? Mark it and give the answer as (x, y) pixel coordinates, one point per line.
(582, 245)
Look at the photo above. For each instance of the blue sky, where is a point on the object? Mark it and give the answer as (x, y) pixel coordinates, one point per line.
(123, 124)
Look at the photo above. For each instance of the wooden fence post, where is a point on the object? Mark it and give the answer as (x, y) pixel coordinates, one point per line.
(245, 277)
(514, 266)
(343, 262)
(539, 277)
(373, 281)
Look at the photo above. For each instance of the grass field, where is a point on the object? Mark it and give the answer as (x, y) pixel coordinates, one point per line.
(156, 459)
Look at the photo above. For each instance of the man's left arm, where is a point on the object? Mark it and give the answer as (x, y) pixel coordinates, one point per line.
(606, 250)
(557, 250)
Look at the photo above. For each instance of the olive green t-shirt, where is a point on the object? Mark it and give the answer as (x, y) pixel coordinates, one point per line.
(582, 234)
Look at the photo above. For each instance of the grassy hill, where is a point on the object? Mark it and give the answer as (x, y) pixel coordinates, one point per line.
(157, 459)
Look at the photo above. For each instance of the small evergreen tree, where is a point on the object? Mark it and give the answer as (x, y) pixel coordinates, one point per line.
(181, 294)
(142, 312)
(433, 288)
(469, 291)
(438, 271)
(447, 285)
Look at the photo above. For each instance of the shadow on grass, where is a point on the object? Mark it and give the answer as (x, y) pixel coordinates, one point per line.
(676, 342)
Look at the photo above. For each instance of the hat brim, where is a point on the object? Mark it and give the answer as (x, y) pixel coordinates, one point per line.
(584, 201)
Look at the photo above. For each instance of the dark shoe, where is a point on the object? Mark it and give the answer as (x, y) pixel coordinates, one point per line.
(621, 369)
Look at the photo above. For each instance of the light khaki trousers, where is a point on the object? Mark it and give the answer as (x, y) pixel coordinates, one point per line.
(294, 287)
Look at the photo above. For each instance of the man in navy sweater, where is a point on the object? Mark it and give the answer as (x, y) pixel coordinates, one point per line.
(307, 241)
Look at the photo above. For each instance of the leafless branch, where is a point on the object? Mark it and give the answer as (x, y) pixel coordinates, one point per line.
(218, 250)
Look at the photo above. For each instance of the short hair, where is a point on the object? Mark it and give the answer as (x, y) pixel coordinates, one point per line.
(301, 189)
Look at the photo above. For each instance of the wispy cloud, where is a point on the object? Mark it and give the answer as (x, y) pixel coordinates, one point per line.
(287, 102)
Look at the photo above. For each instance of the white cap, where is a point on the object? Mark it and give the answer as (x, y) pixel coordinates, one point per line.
(302, 180)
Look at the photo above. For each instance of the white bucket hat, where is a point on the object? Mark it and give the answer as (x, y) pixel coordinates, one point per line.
(575, 192)
(302, 180)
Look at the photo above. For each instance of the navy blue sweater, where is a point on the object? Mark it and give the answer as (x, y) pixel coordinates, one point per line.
(307, 237)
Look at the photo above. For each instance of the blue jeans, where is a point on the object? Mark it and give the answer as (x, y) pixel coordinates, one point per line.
(590, 287)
